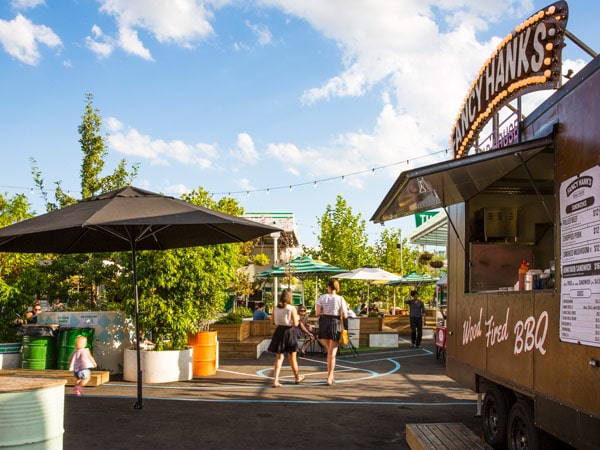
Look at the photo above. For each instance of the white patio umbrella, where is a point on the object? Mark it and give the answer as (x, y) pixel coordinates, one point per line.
(369, 274)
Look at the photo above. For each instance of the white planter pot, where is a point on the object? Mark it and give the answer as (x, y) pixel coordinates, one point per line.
(158, 367)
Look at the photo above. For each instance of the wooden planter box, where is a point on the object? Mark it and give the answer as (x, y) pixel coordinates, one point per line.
(401, 324)
(261, 328)
(371, 324)
(232, 332)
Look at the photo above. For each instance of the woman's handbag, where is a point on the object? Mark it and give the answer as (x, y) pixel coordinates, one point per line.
(344, 337)
(343, 340)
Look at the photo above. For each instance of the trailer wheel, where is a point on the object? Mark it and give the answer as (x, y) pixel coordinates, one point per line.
(522, 432)
(494, 416)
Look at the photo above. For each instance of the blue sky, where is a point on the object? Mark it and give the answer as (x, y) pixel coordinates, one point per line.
(251, 97)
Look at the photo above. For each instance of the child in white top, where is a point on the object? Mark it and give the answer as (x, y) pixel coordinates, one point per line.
(80, 362)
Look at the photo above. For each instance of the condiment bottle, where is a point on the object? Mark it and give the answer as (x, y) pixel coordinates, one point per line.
(522, 272)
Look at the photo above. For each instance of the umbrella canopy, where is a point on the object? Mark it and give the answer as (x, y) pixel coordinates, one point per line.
(128, 219)
(370, 275)
(413, 279)
(301, 267)
(125, 219)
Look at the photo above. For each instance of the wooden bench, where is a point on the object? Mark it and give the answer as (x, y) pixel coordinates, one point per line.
(97, 378)
(250, 348)
(442, 436)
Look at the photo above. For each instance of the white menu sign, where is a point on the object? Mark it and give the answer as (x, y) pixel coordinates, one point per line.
(580, 258)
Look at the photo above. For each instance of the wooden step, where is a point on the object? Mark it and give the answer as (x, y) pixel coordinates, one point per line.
(250, 348)
(97, 378)
(442, 436)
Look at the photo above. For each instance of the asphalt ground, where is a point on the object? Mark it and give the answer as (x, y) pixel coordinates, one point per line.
(375, 395)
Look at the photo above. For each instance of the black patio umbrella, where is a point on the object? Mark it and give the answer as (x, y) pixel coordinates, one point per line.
(128, 219)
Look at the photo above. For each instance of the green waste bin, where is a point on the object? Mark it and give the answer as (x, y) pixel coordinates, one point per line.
(39, 352)
(66, 343)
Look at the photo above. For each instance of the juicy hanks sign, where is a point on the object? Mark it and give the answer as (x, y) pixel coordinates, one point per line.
(528, 59)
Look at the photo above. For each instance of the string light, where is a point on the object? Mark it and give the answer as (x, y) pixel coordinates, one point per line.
(290, 187)
(343, 177)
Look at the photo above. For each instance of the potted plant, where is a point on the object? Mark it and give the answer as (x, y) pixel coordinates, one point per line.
(181, 292)
(425, 257)
(436, 263)
(261, 259)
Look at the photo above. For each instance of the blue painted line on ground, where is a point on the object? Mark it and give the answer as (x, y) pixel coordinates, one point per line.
(308, 402)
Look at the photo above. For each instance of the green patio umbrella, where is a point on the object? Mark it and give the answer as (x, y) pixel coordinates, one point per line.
(302, 267)
(413, 279)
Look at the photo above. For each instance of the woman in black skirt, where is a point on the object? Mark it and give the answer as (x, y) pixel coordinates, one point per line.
(285, 316)
(331, 309)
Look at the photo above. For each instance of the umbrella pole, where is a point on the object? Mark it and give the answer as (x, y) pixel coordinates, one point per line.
(138, 404)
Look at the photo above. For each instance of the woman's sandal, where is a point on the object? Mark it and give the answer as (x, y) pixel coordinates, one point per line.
(299, 379)
(330, 383)
(276, 385)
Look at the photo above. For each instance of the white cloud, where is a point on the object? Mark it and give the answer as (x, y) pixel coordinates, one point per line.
(129, 41)
(396, 137)
(245, 184)
(181, 23)
(262, 33)
(245, 150)
(21, 39)
(287, 152)
(100, 44)
(131, 142)
(425, 52)
(175, 190)
(21, 5)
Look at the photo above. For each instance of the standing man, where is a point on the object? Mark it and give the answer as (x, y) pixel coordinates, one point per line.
(416, 315)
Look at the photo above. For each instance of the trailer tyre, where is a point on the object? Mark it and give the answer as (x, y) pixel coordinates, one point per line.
(522, 432)
(494, 416)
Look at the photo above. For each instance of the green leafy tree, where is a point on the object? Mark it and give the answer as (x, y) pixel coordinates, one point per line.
(19, 282)
(398, 257)
(74, 279)
(183, 290)
(343, 243)
(92, 180)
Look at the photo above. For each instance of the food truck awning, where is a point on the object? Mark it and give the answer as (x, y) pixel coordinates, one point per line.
(458, 180)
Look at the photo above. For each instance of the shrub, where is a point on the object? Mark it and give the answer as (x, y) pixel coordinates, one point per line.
(235, 317)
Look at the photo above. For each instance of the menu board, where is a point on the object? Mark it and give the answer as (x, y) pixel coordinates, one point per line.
(580, 258)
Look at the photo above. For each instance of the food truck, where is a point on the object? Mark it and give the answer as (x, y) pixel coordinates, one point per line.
(522, 191)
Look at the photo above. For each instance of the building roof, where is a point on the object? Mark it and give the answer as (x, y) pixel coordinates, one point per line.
(432, 232)
(283, 220)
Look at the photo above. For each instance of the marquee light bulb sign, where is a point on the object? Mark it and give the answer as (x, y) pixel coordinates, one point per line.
(528, 59)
